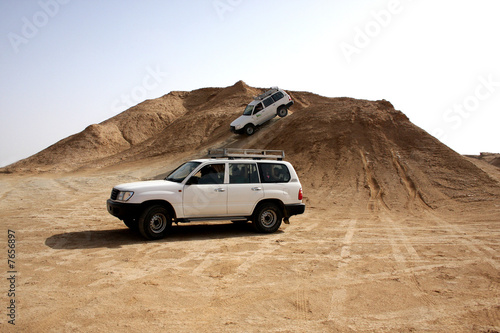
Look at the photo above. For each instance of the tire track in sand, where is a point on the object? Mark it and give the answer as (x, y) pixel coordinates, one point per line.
(302, 303)
(376, 201)
(398, 240)
(339, 296)
(484, 252)
(493, 313)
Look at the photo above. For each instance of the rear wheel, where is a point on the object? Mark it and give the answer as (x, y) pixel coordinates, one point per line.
(155, 222)
(267, 218)
(282, 112)
(249, 129)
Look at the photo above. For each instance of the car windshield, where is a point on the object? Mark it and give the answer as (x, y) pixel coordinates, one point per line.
(248, 110)
(182, 172)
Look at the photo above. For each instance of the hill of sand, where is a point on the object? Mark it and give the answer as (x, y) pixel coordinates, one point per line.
(108, 138)
(489, 162)
(400, 233)
(358, 147)
(491, 158)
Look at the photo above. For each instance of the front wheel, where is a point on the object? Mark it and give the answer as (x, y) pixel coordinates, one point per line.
(155, 222)
(249, 129)
(267, 218)
(282, 112)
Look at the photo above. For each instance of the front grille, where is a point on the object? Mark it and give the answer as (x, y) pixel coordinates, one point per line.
(114, 194)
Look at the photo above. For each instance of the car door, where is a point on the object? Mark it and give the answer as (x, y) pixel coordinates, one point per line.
(258, 114)
(269, 108)
(205, 193)
(244, 189)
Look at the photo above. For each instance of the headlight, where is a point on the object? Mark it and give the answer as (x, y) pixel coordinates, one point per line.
(124, 196)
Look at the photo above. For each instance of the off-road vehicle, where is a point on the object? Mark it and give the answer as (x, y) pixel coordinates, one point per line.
(232, 184)
(263, 108)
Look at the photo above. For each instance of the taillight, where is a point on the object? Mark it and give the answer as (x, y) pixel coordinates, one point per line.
(300, 194)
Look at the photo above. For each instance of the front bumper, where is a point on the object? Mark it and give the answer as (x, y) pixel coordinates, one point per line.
(234, 130)
(294, 209)
(123, 210)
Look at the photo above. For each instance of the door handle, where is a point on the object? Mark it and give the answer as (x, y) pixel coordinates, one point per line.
(220, 189)
(256, 189)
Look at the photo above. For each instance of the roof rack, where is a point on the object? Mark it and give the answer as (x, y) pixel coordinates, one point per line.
(271, 91)
(256, 154)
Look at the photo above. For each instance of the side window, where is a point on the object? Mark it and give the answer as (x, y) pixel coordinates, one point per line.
(209, 174)
(273, 173)
(268, 101)
(243, 173)
(258, 108)
(279, 95)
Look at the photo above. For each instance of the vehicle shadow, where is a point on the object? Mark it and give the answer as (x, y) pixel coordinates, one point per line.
(116, 238)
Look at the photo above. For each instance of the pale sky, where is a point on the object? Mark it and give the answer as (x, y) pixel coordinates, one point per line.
(66, 64)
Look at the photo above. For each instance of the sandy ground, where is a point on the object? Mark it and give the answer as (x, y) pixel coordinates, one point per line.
(356, 267)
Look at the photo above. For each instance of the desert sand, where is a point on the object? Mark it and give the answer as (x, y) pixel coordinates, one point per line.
(400, 234)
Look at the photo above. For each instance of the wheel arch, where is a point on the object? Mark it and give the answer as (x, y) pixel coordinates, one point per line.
(162, 203)
(277, 202)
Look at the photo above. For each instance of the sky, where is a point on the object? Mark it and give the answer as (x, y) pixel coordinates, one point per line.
(67, 64)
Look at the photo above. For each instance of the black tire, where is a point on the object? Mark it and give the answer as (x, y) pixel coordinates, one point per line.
(155, 222)
(267, 218)
(249, 129)
(282, 112)
(132, 224)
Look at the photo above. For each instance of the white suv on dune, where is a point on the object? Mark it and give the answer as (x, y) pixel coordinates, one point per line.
(235, 184)
(263, 108)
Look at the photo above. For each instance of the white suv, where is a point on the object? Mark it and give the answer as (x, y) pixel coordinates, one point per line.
(235, 184)
(263, 108)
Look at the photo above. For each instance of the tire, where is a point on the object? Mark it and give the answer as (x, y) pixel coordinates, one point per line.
(267, 218)
(132, 224)
(282, 112)
(249, 129)
(155, 222)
